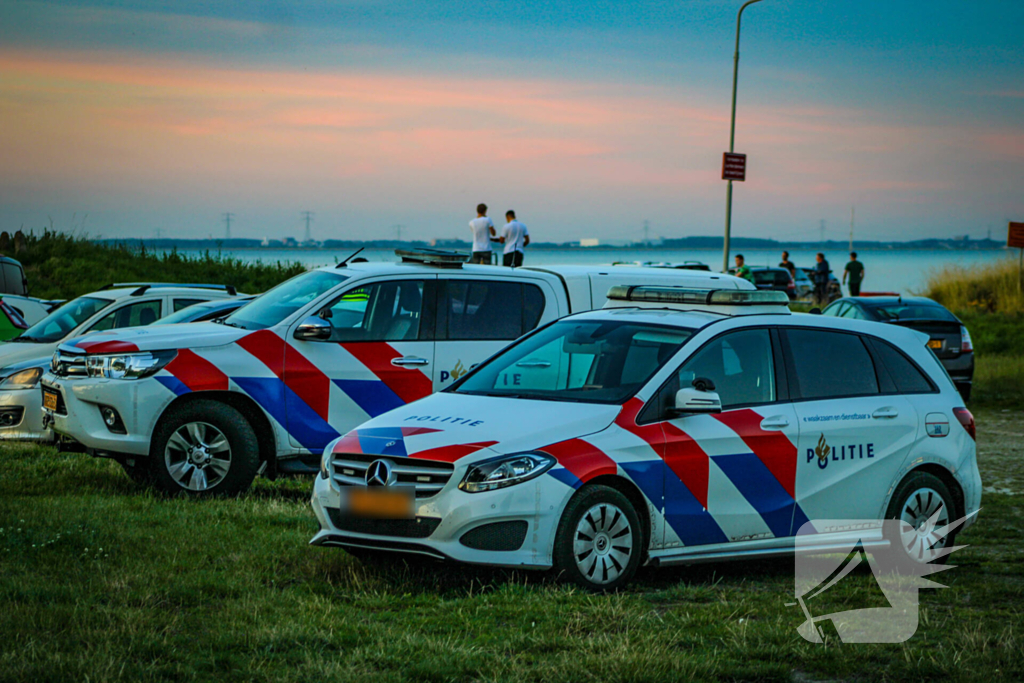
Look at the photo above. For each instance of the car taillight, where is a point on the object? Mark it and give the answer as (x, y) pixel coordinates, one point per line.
(967, 420)
(965, 341)
(790, 285)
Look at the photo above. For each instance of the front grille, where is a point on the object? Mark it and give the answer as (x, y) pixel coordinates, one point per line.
(68, 365)
(418, 527)
(427, 476)
(498, 536)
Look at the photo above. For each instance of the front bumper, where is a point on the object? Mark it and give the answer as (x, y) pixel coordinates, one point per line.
(450, 515)
(21, 416)
(138, 402)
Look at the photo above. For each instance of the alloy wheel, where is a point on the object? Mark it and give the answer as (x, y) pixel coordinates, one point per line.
(197, 456)
(603, 543)
(923, 516)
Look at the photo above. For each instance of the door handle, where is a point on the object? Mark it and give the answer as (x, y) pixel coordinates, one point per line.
(409, 360)
(886, 413)
(774, 423)
(533, 364)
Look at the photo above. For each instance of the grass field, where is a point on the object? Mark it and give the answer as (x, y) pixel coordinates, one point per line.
(102, 581)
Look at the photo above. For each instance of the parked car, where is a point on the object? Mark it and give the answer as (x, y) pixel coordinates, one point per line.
(948, 337)
(774, 279)
(274, 382)
(205, 310)
(659, 431)
(24, 358)
(804, 286)
(835, 288)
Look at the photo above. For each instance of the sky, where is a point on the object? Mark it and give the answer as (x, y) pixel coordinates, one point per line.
(132, 119)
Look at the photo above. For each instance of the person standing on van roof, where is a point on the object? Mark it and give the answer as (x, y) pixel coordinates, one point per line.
(483, 233)
(855, 269)
(821, 271)
(787, 264)
(742, 269)
(515, 237)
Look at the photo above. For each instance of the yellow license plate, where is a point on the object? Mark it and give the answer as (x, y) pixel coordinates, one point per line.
(389, 504)
(49, 399)
(935, 344)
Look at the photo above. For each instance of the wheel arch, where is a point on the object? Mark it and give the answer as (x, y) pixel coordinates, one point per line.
(945, 476)
(249, 409)
(635, 496)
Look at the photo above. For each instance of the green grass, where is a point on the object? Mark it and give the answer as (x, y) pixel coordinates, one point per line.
(59, 266)
(103, 581)
(993, 288)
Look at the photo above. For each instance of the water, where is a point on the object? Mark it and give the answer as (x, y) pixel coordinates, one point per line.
(885, 270)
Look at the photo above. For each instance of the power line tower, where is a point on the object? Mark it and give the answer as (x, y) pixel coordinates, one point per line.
(398, 231)
(227, 224)
(308, 217)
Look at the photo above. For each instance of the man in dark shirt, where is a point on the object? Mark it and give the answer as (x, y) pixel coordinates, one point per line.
(787, 264)
(821, 271)
(855, 270)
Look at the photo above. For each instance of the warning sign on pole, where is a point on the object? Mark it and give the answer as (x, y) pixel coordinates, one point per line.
(734, 166)
(1015, 236)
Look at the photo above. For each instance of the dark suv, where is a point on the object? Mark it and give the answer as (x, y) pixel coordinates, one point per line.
(777, 279)
(947, 336)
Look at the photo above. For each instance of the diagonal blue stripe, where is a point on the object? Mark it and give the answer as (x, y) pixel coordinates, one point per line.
(762, 490)
(174, 384)
(689, 520)
(372, 396)
(566, 477)
(290, 411)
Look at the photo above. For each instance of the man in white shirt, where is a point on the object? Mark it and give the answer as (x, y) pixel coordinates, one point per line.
(483, 232)
(515, 237)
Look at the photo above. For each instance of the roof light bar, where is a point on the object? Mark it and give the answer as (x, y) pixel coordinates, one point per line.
(698, 297)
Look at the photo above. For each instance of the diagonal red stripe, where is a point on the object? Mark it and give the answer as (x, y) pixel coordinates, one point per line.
(681, 453)
(299, 374)
(582, 458)
(409, 384)
(111, 346)
(348, 444)
(197, 373)
(774, 449)
(267, 347)
(453, 452)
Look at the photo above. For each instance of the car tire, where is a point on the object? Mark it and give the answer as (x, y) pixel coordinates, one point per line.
(598, 545)
(204, 448)
(917, 498)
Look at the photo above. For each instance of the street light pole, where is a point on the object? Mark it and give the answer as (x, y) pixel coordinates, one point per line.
(732, 138)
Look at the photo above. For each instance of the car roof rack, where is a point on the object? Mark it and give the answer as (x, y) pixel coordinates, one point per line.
(724, 301)
(442, 258)
(142, 287)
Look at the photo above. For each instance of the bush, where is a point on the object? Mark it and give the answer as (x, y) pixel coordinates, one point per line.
(60, 266)
(994, 288)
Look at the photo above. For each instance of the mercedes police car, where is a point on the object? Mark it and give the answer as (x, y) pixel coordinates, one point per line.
(203, 408)
(671, 427)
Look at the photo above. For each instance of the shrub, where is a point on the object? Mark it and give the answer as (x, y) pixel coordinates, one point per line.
(994, 288)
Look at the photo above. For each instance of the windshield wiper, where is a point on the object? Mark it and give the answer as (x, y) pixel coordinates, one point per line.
(224, 321)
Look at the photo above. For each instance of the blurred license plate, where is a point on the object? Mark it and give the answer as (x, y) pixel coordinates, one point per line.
(934, 343)
(49, 399)
(380, 503)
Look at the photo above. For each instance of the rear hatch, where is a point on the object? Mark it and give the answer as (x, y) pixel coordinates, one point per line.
(943, 336)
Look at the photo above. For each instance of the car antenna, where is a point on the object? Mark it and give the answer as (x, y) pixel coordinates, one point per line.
(350, 257)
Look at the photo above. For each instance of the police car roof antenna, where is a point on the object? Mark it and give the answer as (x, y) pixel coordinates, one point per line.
(350, 257)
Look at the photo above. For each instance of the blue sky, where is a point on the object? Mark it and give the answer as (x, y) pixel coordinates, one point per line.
(587, 117)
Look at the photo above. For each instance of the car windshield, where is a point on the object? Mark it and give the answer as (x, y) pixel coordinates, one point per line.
(58, 324)
(587, 361)
(912, 312)
(281, 301)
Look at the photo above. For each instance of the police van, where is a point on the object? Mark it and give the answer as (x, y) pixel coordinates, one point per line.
(204, 407)
(673, 426)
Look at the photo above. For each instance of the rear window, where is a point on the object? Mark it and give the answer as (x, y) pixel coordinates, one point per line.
(905, 375)
(490, 310)
(830, 365)
(913, 312)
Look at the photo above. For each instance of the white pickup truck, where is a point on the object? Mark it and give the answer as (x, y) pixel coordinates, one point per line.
(208, 406)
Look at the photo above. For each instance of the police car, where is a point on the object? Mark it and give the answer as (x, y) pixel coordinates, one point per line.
(673, 426)
(203, 408)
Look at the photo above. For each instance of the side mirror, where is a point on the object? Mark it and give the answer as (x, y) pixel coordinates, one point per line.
(314, 328)
(700, 398)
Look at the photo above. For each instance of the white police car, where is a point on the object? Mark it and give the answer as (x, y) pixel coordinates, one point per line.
(671, 427)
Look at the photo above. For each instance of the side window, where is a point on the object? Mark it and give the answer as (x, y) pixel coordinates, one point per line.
(906, 376)
(383, 311)
(14, 279)
(854, 312)
(837, 310)
(185, 303)
(533, 307)
(830, 365)
(739, 363)
(485, 310)
(133, 315)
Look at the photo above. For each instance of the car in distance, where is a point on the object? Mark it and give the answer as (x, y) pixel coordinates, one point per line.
(205, 310)
(269, 386)
(24, 359)
(673, 426)
(774, 279)
(948, 337)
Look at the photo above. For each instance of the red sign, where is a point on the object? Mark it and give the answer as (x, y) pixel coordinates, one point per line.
(1015, 237)
(734, 166)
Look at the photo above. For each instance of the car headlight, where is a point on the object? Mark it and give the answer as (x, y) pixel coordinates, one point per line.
(128, 365)
(506, 470)
(23, 379)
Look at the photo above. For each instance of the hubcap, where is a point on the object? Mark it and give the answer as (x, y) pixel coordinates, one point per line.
(923, 516)
(197, 456)
(603, 543)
